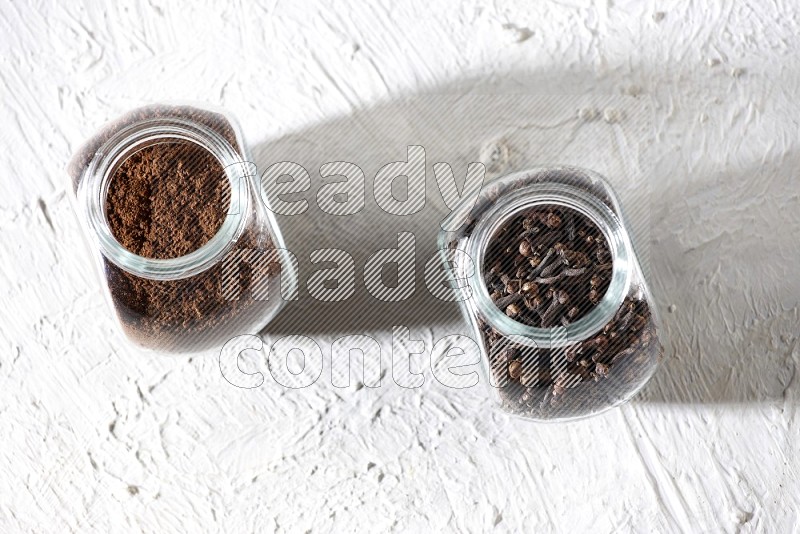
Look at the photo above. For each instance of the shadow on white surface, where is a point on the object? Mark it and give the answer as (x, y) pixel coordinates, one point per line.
(721, 262)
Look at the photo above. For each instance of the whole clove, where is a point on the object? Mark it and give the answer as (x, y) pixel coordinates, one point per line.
(562, 263)
(552, 267)
(547, 267)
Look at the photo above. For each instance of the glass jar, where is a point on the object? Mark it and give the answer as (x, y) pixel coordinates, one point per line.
(573, 368)
(203, 298)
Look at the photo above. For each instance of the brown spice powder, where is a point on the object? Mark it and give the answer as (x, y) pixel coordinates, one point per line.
(167, 200)
(163, 202)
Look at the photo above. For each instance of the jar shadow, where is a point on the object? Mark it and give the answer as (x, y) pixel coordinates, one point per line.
(360, 235)
(731, 335)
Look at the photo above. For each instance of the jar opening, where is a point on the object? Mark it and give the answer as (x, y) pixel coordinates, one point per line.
(94, 189)
(566, 197)
(166, 199)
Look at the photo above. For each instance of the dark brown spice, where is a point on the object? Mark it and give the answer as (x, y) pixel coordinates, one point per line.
(559, 261)
(550, 266)
(166, 201)
(594, 372)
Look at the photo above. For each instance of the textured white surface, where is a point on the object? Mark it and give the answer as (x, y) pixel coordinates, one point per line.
(95, 436)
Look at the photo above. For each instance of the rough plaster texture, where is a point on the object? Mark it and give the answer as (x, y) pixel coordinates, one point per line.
(95, 436)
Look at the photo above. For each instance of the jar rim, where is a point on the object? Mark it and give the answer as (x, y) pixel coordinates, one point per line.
(94, 184)
(598, 212)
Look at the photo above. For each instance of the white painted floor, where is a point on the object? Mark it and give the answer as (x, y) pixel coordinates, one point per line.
(97, 436)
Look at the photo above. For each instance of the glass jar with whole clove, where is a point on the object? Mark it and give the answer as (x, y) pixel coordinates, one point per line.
(554, 292)
(184, 243)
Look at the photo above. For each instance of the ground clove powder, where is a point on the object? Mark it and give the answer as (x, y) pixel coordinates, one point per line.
(167, 200)
(163, 202)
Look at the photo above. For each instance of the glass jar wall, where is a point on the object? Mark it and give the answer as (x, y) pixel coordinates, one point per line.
(555, 295)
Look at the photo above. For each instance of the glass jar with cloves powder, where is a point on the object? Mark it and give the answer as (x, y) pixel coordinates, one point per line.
(554, 293)
(184, 243)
